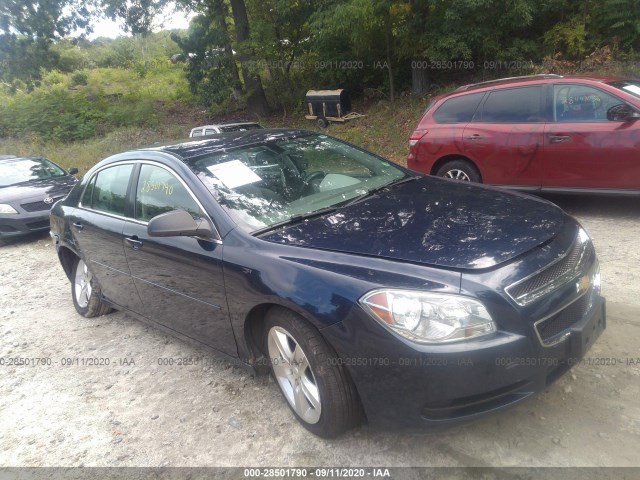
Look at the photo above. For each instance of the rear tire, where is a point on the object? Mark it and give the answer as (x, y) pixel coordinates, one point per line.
(85, 292)
(317, 388)
(461, 170)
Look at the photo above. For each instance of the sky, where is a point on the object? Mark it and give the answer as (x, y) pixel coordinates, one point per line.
(170, 20)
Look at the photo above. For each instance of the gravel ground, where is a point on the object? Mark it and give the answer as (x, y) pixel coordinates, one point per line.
(134, 412)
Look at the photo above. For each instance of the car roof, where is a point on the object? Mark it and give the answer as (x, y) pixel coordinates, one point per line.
(533, 79)
(196, 146)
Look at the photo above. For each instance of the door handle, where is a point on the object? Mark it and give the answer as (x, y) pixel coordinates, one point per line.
(78, 226)
(475, 136)
(134, 242)
(559, 138)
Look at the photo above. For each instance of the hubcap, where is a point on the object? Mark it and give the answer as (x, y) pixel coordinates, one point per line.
(457, 174)
(294, 374)
(82, 283)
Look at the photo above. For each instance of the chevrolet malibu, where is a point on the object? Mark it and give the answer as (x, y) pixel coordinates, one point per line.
(369, 292)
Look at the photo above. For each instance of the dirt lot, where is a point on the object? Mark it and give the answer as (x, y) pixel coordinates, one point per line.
(135, 412)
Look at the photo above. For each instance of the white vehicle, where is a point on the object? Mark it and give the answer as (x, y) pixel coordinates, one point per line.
(227, 127)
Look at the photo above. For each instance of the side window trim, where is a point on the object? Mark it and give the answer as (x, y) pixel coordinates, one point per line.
(131, 194)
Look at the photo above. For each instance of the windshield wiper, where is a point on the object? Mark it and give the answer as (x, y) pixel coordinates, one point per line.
(295, 219)
(375, 190)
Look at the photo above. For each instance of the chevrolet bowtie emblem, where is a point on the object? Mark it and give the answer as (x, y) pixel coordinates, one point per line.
(583, 284)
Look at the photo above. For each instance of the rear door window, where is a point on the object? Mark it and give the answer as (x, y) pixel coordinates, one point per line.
(458, 109)
(109, 190)
(513, 105)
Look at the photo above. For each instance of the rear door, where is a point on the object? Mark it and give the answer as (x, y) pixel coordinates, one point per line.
(585, 150)
(506, 136)
(180, 279)
(443, 131)
(96, 227)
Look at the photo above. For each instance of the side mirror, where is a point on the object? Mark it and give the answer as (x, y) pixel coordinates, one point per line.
(622, 113)
(179, 223)
(72, 171)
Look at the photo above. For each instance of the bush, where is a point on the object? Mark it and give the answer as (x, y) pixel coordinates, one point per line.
(55, 114)
(79, 78)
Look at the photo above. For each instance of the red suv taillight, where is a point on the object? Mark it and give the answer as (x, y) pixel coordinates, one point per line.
(416, 136)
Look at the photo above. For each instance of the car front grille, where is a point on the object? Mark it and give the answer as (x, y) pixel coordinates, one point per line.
(39, 206)
(567, 268)
(552, 329)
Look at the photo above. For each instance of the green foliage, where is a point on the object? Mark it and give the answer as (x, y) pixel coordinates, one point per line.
(569, 37)
(288, 47)
(86, 103)
(79, 78)
(137, 15)
(52, 114)
(618, 21)
(209, 70)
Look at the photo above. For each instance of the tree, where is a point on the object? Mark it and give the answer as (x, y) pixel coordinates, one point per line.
(211, 68)
(256, 99)
(27, 30)
(367, 31)
(138, 16)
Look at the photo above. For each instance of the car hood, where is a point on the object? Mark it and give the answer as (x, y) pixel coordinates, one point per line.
(54, 187)
(435, 222)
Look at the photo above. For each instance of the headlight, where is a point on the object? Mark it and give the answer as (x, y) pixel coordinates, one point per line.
(425, 317)
(6, 208)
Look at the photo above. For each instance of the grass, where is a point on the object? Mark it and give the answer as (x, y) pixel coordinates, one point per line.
(385, 130)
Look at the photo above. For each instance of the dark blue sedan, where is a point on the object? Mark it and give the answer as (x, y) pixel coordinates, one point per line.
(368, 291)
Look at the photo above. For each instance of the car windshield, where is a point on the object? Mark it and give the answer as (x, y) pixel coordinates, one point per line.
(21, 170)
(629, 86)
(281, 180)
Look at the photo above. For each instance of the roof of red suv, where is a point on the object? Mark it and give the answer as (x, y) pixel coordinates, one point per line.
(532, 78)
(501, 82)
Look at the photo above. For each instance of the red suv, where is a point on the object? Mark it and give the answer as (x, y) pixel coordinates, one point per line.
(542, 132)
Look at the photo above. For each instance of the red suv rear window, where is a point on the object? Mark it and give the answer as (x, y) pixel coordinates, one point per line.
(458, 109)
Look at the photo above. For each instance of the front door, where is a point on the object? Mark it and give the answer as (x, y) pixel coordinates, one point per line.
(180, 279)
(585, 150)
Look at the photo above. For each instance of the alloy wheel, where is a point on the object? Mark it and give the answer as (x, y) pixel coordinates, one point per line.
(82, 282)
(294, 374)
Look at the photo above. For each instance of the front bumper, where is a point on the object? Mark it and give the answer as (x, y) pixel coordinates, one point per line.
(12, 225)
(401, 384)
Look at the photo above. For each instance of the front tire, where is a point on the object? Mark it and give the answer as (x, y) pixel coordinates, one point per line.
(317, 388)
(461, 170)
(86, 293)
